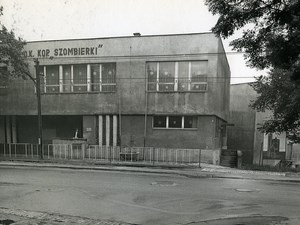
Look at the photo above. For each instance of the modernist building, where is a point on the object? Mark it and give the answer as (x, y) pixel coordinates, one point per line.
(159, 91)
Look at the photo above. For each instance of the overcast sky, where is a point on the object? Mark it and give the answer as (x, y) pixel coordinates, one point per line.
(68, 19)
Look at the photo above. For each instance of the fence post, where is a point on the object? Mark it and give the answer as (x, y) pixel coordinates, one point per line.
(110, 154)
(83, 151)
(199, 158)
(153, 155)
(43, 152)
(9, 148)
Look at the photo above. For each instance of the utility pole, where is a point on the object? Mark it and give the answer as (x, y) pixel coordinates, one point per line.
(39, 108)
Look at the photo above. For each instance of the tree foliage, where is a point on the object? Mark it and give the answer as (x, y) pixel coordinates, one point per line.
(274, 39)
(273, 42)
(12, 62)
(282, 97)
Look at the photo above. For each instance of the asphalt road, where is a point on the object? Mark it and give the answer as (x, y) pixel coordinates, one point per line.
(142, 198)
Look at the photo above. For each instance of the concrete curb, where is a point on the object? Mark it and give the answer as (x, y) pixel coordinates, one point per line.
(191, 172)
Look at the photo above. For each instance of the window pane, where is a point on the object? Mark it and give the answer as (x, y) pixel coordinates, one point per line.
(109, 73)
(175, 121)
(95, 77)
(52, 75)
(183, 85)
(80, 78)
(183, 76)
(199, 71)
(79, 74)
(151, 71)
(199, 87)
(66, 78)
(190, 122)
(166, 72)
(166, 87)
(183, 70)
(160, 121)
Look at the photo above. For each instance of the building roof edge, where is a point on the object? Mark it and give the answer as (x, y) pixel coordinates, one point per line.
(113, 37)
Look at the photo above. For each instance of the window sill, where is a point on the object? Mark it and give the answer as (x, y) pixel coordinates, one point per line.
(193, 91)
(185, 129)
(91, 92)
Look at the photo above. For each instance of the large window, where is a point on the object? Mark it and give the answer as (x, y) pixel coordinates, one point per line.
(175, 122)
(66, 78)
(198, 75)
(52, 79)
(79, 78)
(108, 77)
(166, 78)
(183, 75)
(177, 76)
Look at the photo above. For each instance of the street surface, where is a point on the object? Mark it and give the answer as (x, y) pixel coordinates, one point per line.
(144, 198)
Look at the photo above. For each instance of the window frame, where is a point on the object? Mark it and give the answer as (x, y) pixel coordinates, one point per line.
(188, 80)
(175, 128)
(88, 85)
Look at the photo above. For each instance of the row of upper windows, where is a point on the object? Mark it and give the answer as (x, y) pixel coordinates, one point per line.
(79, 78)
(161, 77)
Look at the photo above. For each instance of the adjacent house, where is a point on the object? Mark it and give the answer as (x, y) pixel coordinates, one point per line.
(257, 147)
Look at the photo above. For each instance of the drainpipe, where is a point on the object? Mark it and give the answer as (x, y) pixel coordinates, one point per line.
(146, 111)
(120, 113)
(146, 108)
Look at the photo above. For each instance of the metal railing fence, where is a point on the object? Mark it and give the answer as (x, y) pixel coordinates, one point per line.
(102, 153)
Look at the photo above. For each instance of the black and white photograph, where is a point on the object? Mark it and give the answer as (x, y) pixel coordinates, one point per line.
(150, 112)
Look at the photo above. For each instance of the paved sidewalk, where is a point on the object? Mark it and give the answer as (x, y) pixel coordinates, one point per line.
(22, 217)
(206, 170)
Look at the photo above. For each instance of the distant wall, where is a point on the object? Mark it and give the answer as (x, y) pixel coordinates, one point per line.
(241, 135)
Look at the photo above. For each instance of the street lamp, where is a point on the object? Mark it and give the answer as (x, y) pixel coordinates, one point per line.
(39, 107)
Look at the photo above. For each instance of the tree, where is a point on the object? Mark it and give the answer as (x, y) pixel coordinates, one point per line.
(272, 42)
(274, 39)
(12, 62)
(282, 97)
